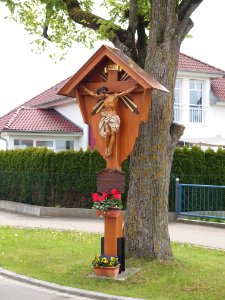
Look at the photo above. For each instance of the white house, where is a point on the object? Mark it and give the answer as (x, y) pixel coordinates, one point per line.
(47, 120)
(54, 121)
(199, 102)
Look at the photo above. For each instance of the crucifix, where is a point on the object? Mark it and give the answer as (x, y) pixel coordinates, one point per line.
(110, 122)
(113, 94)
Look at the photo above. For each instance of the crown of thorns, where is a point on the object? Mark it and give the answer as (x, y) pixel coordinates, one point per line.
(102, 89)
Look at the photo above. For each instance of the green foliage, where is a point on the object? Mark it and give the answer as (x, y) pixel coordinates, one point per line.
(198, 167)
(42, 177)
(68, 178)
(117, 10)
(60, 21)
(189, 162)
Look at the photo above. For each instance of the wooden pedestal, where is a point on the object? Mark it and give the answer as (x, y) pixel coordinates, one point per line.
(112, 231)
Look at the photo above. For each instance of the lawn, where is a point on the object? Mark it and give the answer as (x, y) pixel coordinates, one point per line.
(64, 257)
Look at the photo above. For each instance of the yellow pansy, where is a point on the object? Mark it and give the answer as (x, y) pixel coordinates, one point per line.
(104, 260)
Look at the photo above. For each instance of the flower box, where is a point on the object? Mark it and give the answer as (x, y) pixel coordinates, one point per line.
(107, 271)
(112, 213)
(107, 201)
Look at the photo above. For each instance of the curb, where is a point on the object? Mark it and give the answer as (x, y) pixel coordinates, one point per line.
(202, 223)
(43, 211)
(59, 288)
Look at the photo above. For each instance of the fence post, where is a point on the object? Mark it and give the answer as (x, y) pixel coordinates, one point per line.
(177, 197)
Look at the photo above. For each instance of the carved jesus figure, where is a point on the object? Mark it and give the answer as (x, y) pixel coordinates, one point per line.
(110, 122)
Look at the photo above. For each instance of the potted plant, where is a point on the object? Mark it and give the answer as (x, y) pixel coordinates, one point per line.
(104, 265)
(107, 204)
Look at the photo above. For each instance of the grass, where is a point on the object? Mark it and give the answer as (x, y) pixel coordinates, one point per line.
(64, 257)
(215, 220)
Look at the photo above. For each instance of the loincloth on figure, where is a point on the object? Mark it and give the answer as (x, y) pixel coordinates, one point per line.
(112, 120)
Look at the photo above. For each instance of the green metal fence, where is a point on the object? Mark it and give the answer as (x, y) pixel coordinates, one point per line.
(199, 200)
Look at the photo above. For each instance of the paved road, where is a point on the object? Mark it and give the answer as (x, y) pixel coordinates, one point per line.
(212, 237)
(15, 290)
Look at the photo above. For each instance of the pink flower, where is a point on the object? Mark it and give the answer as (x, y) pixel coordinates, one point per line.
(105, 195)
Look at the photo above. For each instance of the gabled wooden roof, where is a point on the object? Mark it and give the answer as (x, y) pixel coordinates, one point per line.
(119, 58)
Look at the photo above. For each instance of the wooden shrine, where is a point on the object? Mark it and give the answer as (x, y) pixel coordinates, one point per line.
(111, 68)
(113, 94)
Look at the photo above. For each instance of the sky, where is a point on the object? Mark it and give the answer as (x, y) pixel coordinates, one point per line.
(24, 74)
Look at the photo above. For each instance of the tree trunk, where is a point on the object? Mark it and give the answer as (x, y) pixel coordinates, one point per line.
(146, 225)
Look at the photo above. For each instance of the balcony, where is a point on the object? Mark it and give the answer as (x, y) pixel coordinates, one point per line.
(194, 114)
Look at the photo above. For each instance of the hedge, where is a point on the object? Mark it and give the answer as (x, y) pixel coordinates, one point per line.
(43, 177)
(68, 178)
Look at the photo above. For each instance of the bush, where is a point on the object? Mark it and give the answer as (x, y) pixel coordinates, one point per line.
(42, 177)
(68, 178)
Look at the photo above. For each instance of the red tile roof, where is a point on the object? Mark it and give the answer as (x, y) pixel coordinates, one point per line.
(47, 96)
(218, 88)
(42, 120)
(188, 63)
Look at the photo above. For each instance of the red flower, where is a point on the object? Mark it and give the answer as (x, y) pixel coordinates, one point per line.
(116, 196)
(105, 195)
(95, 197)
(114, 192)
(101, 199)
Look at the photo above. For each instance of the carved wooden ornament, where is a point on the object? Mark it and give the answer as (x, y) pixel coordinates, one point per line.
(111, 68)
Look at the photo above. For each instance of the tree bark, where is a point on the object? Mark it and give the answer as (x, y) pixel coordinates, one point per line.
(146, 224)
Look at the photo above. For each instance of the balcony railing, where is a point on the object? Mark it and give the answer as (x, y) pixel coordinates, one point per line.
(190, 114)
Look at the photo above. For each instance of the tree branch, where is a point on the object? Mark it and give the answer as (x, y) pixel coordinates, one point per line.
(45, 33)
(176, 131)
(185, 10)
(141, 40)
(185, 28)
(187, 7)
(133, 16)
(122, 39)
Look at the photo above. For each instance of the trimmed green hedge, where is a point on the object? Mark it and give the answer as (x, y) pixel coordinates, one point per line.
(198, 167)
(68, 178)
(42, 177)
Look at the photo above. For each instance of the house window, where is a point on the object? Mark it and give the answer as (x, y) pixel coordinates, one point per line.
(64, 145)
(44, 144)
(196, 108)
(177, 100)
(22, 144)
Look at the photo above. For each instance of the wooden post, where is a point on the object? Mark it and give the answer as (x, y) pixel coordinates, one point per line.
(112, 231)
(107, 180)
